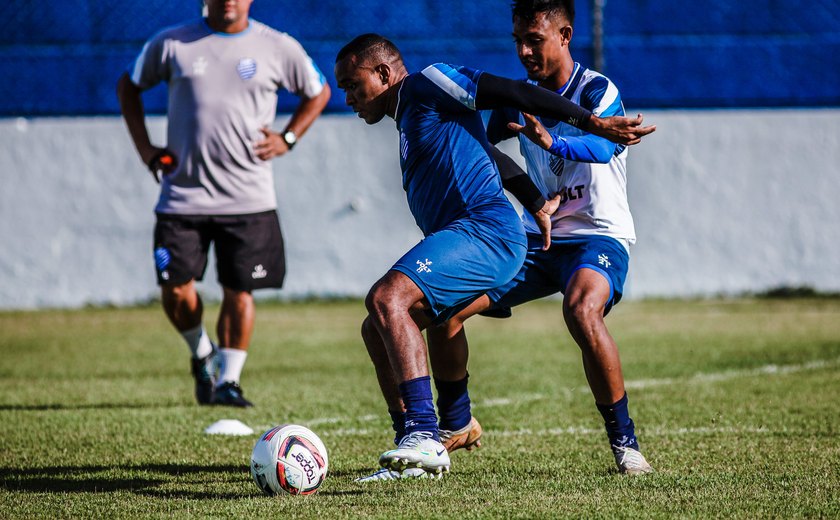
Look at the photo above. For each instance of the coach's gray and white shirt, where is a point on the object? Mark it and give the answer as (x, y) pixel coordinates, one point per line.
(222, 90)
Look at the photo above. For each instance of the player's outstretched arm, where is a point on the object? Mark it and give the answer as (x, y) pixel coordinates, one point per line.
(516, 181)
(496, 92)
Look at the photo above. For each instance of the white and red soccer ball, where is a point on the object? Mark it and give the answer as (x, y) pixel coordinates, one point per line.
(289, 459)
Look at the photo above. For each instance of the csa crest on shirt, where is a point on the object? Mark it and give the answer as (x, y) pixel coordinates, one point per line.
(247, 68)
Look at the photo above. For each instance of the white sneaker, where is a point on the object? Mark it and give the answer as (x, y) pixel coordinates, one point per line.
(417, 450)
(407, 473)
(630, 461)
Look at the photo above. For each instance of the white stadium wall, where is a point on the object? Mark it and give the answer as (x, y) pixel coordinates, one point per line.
(725, 202)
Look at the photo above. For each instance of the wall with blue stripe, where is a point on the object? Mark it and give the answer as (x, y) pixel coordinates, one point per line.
(62, 57)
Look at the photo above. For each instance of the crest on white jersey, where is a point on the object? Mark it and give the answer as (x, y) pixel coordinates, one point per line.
(247, 68)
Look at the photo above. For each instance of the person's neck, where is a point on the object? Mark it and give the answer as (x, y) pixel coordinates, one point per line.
(562, 76)
(393, 94)
(228, 28)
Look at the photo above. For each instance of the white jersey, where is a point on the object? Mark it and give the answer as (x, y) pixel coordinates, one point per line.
(222, 90)
(593, 195)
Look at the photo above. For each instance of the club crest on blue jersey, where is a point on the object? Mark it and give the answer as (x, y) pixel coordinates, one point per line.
(247, 68)
(403, 146)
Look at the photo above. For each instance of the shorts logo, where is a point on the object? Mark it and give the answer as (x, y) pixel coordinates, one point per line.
(424, 266)
(604, 260)
(162, 258)
(247, 68)
(259, 272)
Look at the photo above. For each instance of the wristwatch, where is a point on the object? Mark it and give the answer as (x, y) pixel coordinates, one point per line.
(290, 138)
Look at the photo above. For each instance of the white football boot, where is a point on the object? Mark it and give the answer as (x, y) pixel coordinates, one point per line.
(417, 450)
(389, 474)
(630, 461)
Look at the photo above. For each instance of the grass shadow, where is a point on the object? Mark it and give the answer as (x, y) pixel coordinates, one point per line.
(85, 406)
(88, 479)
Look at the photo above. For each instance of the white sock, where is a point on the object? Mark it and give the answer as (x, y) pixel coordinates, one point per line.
(231, 361)
(198, 341)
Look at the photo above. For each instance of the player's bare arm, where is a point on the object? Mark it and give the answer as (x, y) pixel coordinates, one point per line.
(275, 144)
(533, 130)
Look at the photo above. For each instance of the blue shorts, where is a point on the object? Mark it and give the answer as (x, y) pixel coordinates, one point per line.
(462, 261)
(548, 272)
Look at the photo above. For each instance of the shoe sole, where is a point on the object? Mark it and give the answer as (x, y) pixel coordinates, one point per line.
(398, 464)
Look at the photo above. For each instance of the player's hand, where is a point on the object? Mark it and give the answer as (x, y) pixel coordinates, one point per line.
(543, 219)
(619, 129)
(533, 130)
(160, 161)
(272, 146)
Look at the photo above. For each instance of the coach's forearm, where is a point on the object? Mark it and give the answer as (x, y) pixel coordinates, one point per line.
(308, 111)
(131, 106)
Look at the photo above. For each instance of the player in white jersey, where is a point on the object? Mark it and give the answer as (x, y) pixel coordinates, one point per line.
(223, 74)
(591, 233)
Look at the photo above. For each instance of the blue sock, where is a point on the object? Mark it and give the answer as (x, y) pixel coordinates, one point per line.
(453, 404)
(398, 423)
(419, 407)
(620, 428)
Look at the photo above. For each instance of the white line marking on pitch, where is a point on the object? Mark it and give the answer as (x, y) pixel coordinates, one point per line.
(767, 370)
(571, 430)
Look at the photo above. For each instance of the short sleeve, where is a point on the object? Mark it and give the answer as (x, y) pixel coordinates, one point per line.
(300, 75)
(600, 96)
(151, 65)
(458, 83)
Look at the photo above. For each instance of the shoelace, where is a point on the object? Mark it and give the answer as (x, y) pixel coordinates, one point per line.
(629, 457)
(413, 439)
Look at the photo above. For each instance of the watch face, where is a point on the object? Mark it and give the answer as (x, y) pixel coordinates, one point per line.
(290, 138)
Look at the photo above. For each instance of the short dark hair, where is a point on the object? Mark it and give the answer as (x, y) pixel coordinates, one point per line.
(370, 45)
(528, 9)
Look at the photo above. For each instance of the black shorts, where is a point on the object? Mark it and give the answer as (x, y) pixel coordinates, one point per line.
(249, 249)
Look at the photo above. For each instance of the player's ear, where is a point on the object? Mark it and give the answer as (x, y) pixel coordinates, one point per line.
(566, 34)
(384, 72)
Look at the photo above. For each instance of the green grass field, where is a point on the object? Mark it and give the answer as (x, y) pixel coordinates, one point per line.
(735, 402)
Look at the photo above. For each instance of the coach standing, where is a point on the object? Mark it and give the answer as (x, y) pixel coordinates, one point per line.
(223, 74)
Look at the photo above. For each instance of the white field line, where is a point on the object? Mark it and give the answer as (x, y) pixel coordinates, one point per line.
(700, 378)
(572, 430)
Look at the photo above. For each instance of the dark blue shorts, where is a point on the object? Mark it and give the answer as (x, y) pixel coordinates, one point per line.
(461, 262)
(548, 272)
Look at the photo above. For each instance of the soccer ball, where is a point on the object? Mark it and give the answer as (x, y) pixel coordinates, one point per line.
(289, 459)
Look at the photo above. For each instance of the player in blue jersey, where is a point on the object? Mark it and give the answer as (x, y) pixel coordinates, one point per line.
(591, 232)
(474, 240)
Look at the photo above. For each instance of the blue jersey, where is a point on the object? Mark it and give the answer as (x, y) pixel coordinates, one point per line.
(447, 172)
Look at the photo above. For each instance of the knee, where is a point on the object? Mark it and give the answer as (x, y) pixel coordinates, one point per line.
(379, 302)
(174, 294)
(579, 312)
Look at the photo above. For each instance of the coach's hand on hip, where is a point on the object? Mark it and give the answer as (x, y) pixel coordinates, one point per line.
(272, 146)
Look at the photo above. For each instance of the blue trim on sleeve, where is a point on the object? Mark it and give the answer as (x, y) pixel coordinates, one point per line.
(586, 148)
